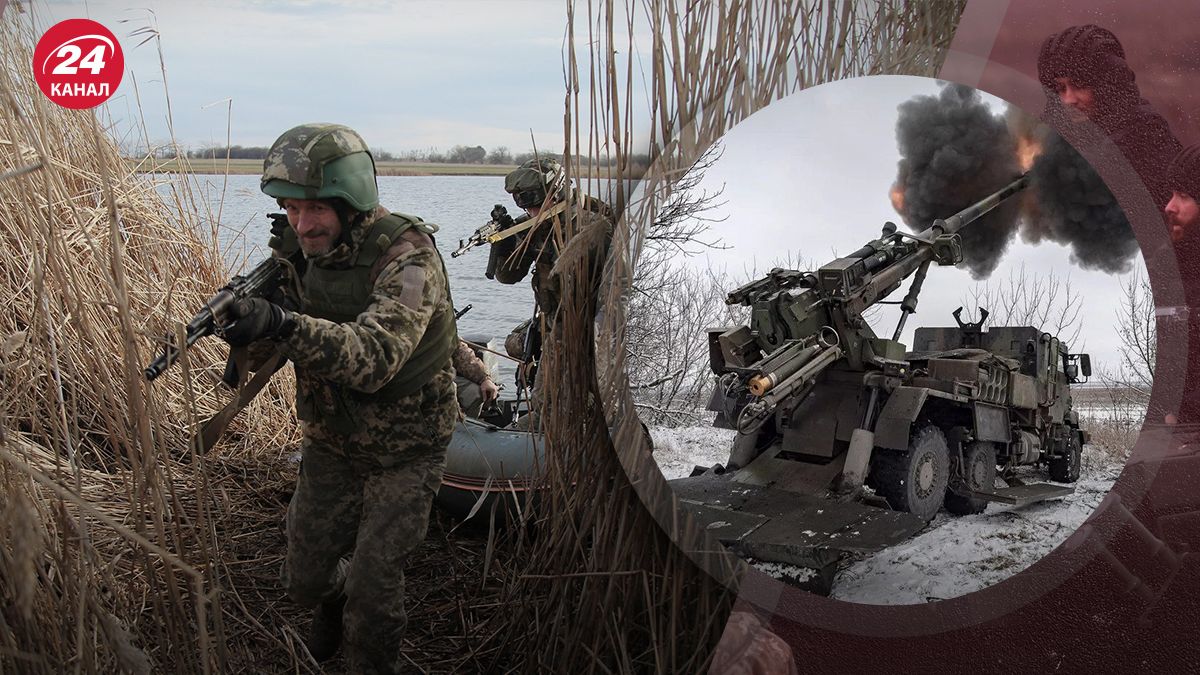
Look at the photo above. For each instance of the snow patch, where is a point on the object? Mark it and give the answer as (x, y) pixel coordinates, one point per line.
(678, 450)
(957, 555)
(790, 573)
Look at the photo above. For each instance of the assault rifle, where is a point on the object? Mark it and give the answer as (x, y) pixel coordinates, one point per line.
(503, 226)
(262, 281)
(499, 227)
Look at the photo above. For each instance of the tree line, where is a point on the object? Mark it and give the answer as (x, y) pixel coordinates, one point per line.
(459, 154)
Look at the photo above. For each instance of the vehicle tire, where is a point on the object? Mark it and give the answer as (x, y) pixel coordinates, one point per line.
(979, 470)
(914, 480)
(1065, 469)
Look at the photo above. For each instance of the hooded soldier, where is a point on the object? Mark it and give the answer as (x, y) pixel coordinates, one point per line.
(1088, 80)
(371, 340)
(1182, 211)
(1177, 321)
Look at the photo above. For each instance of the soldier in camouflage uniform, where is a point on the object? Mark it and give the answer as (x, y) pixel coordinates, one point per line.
(371, 342)
(540, 187)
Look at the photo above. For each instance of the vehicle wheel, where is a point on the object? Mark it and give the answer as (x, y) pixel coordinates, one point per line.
(914, 480)
(1065, 469)
(978, 474)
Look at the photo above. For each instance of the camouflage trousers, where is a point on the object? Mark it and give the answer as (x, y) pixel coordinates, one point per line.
(379, 515)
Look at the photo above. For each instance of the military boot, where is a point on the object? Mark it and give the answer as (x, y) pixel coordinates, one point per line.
(326, 634)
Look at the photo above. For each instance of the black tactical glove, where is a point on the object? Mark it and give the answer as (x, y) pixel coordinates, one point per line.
(282, 298)
(255, 319)
(500, 216)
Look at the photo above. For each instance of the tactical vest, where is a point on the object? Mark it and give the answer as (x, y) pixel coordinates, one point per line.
(340, 295)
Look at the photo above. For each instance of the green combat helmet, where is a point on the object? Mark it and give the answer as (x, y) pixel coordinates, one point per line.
(529, 184)
(321, 161)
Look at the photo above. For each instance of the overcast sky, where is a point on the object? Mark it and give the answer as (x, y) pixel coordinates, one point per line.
(810, 175)
(407, 75)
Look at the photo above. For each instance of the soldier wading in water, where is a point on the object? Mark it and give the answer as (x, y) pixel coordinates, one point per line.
(371, 340)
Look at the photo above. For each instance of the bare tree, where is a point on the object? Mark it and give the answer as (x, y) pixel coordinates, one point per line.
(500, 155)
(1044, 300)
(1126, 393)
(1135, 326)
(671, 305)
(1131, 381)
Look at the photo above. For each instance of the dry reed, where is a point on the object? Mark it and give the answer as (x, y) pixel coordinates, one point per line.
(117, 541)
(121, 549)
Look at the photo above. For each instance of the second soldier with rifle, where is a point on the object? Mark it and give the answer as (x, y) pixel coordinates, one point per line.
(535, 240)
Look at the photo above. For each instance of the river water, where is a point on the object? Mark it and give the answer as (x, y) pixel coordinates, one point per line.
(457, 204)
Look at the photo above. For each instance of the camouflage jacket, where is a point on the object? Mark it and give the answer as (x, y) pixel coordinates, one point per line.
(339, 365)
(366, 354)
(467, 365)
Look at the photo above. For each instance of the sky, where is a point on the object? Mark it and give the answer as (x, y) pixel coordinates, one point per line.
(808, 178)
(408, 75)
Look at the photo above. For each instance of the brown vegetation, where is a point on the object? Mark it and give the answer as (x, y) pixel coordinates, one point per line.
(121, 549)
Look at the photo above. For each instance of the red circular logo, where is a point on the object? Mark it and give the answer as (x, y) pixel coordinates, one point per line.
(78, 64)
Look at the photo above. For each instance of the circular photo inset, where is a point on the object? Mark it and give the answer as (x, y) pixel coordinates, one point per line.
(897, 342)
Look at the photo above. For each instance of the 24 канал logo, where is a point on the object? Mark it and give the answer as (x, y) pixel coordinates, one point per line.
(78, 64)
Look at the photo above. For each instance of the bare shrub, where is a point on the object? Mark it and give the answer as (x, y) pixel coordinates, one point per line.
(1112, 437)
(1044, 300)
(668, 343)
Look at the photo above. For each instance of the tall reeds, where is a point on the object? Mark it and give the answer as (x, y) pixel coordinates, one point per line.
(618, 579)
(115, 533)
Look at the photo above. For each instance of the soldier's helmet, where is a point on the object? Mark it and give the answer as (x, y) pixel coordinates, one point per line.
(321, 161)
(536, 178)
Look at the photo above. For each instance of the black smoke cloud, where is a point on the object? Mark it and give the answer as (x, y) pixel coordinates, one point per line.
(954, 152)
(1073, 207)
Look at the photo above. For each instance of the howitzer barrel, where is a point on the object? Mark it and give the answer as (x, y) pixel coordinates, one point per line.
(980, 208)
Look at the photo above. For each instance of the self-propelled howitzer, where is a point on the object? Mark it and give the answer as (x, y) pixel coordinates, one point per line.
(803, 322)
(822, 405)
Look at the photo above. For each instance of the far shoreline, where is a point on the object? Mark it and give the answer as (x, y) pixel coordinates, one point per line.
(243, 167)
(253, 167)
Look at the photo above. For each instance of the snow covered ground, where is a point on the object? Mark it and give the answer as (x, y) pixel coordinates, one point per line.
(680, 449)
(960, 554)
(955, 555)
